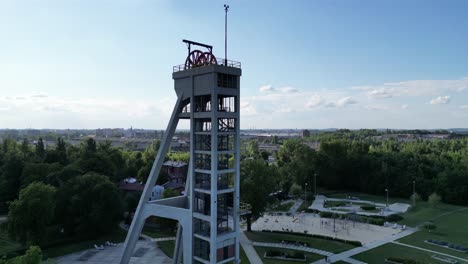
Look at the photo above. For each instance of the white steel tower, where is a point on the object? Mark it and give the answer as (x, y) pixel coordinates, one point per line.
(208, 95)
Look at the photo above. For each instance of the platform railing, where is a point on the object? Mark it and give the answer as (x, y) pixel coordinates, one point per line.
(222, 62)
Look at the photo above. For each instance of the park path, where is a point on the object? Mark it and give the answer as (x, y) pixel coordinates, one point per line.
(295, 206)
(305, 249)
(163, 239)
(347, 254)
(249, 249)
(428, 250)
(293, 247)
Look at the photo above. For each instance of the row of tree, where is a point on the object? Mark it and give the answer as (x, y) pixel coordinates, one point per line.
(355, 161)
(371, 166)
(67, 191)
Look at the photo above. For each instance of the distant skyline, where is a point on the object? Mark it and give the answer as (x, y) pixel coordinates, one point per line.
(306, 64)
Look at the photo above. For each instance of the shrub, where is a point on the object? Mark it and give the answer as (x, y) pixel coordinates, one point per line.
(368, 207)
(273, 253)
(297, 255)
(404, 260)
(394, 218)
(429, 226)
(326, 214)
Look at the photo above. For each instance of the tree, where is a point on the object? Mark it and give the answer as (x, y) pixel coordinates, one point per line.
(252, 149)
(434, 199)
(10, 173)
(40, 149)
(258, 180)
(296, 190)
(168, 193)
(37, 172)
(30, 214)
(89, 205)
(32, 256)
(25, 148)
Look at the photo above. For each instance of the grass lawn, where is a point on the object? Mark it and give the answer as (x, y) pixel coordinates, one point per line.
(451, 228)
(158, 233)
(261, 252)
(116, 237)
(423, 211)
(243, 256)
(281, 207)
(167, 247)
(304, 205)
(323, 244)
(328, 204)
(6, 244)
(379, 254)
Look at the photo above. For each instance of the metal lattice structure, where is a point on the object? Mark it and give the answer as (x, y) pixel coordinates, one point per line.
(208, 213)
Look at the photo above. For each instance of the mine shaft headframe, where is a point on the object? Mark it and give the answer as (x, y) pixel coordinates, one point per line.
(198, 58)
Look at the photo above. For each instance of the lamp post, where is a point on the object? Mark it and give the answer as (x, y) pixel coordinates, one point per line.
(315, 184)
(414, 193)
(386, 190)
(305, 193)
(226, 8)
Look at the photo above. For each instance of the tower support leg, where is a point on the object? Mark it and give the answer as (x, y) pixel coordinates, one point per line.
(140, 214)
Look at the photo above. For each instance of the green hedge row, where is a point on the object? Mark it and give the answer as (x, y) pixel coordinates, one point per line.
(351, 242)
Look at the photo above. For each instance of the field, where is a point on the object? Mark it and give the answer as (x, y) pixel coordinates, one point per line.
(323, 244)
(116, 237)
(379, 254)
(422, 212)
(261, 251)
(452, 228)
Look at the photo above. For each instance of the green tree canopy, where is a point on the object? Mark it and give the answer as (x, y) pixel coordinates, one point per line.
(89, 205)
(258, 180)
(30, 214)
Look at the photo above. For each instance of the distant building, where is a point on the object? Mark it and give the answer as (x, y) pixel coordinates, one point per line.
(268, 147)
(157, 192)
(176, 170)
(305, 133)
(131, 185)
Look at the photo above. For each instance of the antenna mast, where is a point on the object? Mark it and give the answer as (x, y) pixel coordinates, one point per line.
(226, 8)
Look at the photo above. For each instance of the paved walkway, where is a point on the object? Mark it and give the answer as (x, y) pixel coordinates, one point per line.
(428, 250)
(295, 206)
(249, 249)
(163, 239)
(146, 252)
(305, 249)
(347, 254)
(293, 247)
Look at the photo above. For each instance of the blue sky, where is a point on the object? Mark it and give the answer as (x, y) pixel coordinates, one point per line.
(306, 64)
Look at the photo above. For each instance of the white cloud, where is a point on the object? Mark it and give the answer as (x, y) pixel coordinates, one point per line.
(464, 107)
(266, 88)
(405, 106)
(288, 89)
(414, 88)
(345, 101)
(381, 93)
(38, 96)
(314, 101)
(440, 100)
